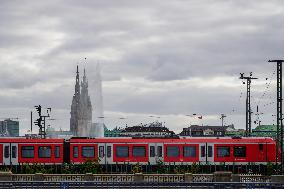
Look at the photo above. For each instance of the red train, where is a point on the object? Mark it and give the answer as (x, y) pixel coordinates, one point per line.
(206, 150)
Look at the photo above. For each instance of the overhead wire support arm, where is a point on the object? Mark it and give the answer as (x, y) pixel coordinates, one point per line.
(248, 106)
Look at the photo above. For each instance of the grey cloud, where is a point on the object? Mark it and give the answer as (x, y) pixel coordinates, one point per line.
(160, 41)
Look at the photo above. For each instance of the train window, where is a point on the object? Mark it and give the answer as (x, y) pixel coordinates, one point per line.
(6, 152)
(139, 151)
(44, 152)
(28, 152)
(122, 151)
(88, 151)
(160, 151)
(173, 151)
(75, 152)
(57, 152)
(14, 151)
(260, 146)
(108, 151)
(202, 151)
(189, 151)
(101, 151)
(223, 151)
(210, 151)
(152, 151)
(240, 151)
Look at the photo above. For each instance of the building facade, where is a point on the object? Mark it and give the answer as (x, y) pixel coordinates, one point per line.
(81, 108)
(155, 129)
(201, 131)
(9, 128)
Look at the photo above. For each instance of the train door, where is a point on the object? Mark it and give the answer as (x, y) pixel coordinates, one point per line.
(10, 154)
(155, 152)
(152, 153)
(206, 151)
(210, 152)
(160, 152)
(202, 153)
(102, 154)
(109, 153)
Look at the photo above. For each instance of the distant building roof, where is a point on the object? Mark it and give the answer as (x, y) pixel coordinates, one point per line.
(265, 131)
(266, 128)
(155, 128)
(205, 127)
(197, 130)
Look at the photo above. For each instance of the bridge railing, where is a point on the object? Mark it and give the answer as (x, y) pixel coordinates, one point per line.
(140, 177)
(130, 185)
(254, 178)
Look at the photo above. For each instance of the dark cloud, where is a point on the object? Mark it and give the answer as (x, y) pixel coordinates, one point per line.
(145, 49)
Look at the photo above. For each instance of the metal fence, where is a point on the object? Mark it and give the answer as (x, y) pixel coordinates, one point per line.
(140, 185)
(147, 169)
(132, 177)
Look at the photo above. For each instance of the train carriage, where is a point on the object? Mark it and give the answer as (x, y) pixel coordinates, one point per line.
(15, 151)
(178, 151)
(206, 150)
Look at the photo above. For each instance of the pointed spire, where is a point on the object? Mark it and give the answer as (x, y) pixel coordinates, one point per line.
(77, 75)
(84, 77)
(77, 85)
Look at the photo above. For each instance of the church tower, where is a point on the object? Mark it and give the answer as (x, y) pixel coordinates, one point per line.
(85, 113)
(81, 108)
(75, 106)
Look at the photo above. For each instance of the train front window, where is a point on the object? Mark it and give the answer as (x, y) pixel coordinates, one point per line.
(28, 152)
(139, 151)
(75, 152)
(223, 151)
(88, 151)
(189, 151)
(44, 152)
(122, 151)
(240, 151)
(173, 151)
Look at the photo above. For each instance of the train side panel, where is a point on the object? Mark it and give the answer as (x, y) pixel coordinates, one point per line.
(45, 153)
(81, 152)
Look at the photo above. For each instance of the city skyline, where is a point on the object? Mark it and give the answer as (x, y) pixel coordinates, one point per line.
(160, 60)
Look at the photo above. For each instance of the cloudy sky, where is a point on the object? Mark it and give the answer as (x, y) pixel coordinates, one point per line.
(161, 58)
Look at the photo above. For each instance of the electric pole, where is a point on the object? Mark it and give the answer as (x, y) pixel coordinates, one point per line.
(222, 118)
(279, 135)
(248, 107)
